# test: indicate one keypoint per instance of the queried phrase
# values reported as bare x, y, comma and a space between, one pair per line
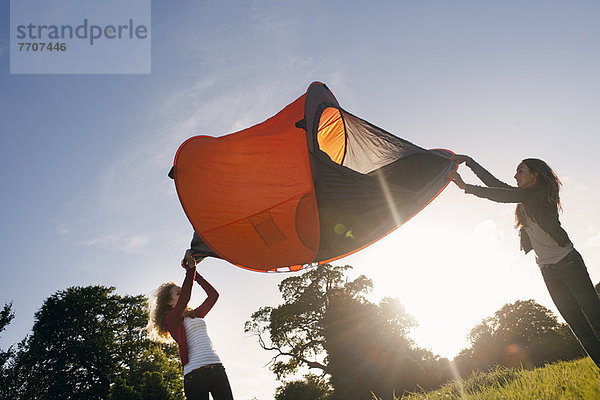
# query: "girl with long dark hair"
563, 269
202, 368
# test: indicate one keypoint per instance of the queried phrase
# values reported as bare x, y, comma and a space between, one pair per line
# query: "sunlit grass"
578, 379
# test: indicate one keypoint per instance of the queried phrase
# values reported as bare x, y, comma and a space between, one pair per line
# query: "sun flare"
448, 279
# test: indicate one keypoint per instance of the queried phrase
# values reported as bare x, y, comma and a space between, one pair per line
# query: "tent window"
332, 135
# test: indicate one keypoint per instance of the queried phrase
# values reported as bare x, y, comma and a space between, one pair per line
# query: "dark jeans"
573, 293
198, 383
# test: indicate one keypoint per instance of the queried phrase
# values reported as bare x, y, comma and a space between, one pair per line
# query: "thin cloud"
574, 183
486, 235
139, 173
135, 184
124, 211
132, 243
593, 241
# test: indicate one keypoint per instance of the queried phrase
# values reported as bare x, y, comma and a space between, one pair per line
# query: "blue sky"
84, 158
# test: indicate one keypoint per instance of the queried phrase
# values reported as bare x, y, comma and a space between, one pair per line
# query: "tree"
6, 316
154, 387
83, 338
326, 323
369, 351
121, 391
311, 388
295, 327
161, 358
523, 333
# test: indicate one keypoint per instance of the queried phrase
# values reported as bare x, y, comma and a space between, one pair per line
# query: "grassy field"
572, 380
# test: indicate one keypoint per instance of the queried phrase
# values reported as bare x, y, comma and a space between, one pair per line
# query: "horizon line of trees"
355, 349
89, 343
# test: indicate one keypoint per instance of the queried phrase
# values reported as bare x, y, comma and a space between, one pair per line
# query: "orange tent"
309, 185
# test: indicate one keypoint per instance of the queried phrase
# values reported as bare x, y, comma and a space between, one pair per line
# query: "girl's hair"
160, 307
545, 178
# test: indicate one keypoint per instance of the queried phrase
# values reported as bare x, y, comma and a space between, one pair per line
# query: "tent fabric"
312, 184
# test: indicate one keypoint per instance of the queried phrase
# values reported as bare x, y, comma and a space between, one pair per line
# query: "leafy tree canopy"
326, 323
311, 388
6, 316
523, 333
83, 338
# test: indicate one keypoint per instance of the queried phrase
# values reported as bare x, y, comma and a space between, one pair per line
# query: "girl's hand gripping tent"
309, 185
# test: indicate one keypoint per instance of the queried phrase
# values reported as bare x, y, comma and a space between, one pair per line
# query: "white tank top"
547, 251
200, 348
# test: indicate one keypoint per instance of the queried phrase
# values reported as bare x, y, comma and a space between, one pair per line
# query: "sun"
442, 275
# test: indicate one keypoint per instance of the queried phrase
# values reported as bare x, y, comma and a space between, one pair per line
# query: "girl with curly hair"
203, 371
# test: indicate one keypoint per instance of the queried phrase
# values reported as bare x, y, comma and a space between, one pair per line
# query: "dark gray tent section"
264, 200
379, 183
